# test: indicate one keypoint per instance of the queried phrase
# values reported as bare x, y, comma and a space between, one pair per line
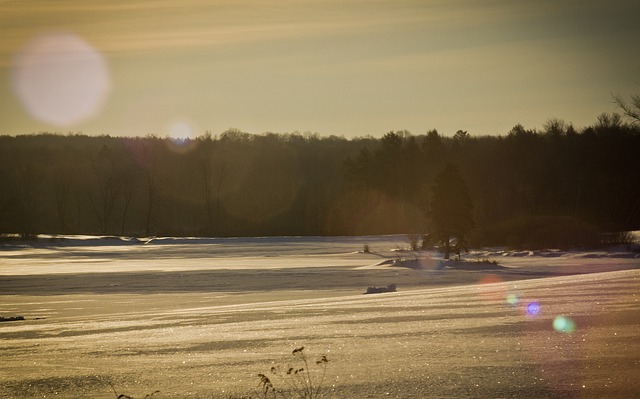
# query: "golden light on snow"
61, 79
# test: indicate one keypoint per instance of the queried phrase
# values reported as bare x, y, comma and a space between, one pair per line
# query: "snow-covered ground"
199, 318
85, 254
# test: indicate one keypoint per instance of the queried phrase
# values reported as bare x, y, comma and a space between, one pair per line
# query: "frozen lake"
200, 318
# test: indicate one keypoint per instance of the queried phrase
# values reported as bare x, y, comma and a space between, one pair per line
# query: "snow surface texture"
201, 318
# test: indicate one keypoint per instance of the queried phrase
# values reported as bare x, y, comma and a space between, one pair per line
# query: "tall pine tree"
451, 211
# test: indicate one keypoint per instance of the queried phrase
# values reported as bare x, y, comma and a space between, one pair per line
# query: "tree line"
526, 186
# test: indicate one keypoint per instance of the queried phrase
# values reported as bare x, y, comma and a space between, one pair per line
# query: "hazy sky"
343, 67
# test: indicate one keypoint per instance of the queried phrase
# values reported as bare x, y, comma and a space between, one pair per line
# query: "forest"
554, 187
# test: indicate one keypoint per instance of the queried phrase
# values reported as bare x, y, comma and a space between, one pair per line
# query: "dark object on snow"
13, 318
380, 290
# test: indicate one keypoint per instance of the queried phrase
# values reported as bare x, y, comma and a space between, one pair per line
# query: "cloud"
122, 26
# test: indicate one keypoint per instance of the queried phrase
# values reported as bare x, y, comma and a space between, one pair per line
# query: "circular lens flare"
564, 325
60, 79
513, 299
533, 308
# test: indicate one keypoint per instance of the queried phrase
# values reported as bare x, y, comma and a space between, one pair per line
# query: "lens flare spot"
564, 325
490, 290
513, 299
60, 79
490, 279
533, 308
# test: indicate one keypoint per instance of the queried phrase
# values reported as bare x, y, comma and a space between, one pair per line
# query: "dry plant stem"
123, 396
299, 381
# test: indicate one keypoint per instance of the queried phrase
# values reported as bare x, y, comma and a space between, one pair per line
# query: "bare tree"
105, 177
461, 135
149, 160
213, 173
26, 192
128, 185
632, 109
555, 127
62, 191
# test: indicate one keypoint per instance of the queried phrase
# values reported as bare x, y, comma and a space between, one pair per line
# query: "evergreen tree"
451, 210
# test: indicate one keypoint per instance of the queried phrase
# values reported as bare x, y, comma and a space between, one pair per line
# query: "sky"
349, 68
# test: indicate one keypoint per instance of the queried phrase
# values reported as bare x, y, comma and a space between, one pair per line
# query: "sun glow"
181, 129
